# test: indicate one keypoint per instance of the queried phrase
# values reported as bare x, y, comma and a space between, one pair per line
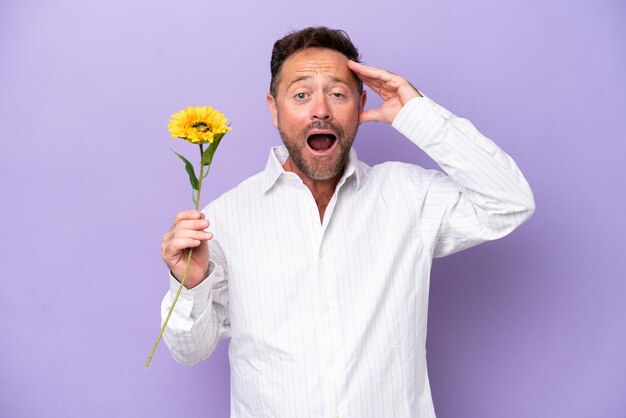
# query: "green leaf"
207, 155
189, 168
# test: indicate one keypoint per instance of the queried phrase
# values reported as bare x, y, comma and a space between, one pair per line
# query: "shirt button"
326, 307
321, 254
331, 360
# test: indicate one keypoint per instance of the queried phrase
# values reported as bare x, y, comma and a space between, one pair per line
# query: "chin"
327, 169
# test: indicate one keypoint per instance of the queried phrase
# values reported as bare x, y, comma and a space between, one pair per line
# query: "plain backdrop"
528, 326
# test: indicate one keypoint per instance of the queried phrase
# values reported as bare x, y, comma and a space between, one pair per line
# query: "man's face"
316, 110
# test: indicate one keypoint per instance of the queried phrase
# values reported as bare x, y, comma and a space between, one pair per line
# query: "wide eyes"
301, 96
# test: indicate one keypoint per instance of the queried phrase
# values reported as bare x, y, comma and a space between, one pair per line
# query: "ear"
362, 101
271, 104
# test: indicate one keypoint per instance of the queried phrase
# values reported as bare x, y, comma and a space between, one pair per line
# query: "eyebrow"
305, 77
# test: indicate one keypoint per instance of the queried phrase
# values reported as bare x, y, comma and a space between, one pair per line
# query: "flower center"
201, 126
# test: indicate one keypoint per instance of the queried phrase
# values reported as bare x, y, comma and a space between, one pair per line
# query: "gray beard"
344, 142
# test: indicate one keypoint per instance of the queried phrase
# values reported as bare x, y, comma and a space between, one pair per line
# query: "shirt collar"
278, 155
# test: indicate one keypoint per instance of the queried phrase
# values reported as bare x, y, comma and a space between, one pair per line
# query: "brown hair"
312, 37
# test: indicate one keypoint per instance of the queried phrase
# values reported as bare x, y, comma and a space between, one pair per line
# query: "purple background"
529, 326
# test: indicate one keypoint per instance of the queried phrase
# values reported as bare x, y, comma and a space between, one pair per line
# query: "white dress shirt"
329, 319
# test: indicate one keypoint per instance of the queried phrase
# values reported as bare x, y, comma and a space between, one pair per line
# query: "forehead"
316, 63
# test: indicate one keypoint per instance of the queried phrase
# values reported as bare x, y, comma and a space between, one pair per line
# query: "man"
318, 267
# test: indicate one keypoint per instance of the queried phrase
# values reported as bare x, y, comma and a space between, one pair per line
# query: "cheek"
290, 120
350, 115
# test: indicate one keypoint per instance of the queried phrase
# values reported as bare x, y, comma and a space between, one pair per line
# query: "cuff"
420, 119
192, 302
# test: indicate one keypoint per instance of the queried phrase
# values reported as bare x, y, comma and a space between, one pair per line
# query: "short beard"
344, 141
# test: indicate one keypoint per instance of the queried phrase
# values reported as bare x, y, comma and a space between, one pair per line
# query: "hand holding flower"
187, 231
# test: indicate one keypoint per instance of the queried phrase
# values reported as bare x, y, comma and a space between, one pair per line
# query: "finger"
196, 224
361, 68
187, 214
376, 85
371, 115
384, 83
385, 89
173, 243
189, 233
365, 72
176, 245
372, 82
391, 85
179, 244
173, 251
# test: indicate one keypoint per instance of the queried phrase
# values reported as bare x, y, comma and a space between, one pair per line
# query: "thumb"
371, 115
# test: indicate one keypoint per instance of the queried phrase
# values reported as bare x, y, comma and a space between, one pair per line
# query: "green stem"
182, 282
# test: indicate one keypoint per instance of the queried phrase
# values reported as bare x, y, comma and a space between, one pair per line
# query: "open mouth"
321, 142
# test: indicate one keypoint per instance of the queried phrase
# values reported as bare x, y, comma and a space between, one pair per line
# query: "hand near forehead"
394, 90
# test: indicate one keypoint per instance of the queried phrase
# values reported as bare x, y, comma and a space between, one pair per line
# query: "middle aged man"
319, 265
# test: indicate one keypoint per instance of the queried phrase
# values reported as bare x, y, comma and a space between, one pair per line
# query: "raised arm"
484, 195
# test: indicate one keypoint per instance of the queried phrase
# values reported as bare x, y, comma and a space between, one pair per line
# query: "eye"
337, 95
301, 96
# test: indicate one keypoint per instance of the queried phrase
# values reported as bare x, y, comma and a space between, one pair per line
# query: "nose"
321, 110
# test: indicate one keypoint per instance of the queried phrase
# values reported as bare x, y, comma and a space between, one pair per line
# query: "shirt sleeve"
484, 195
200, 318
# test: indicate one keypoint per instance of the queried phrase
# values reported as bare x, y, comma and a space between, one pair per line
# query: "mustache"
327, 125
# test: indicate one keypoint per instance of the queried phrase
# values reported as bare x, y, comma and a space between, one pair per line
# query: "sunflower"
198, 125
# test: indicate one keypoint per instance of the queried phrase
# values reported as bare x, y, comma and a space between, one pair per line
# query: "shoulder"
406, 182
397, 172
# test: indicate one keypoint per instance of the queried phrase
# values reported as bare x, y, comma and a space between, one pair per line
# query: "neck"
322, 190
